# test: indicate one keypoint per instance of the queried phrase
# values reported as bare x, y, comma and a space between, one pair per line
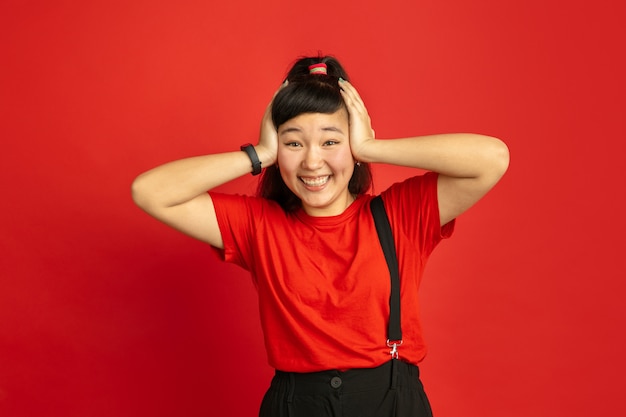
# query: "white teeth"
315, 182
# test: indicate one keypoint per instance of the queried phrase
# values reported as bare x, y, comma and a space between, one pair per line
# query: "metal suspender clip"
394, 345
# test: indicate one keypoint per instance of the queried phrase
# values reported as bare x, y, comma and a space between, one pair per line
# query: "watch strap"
254, 158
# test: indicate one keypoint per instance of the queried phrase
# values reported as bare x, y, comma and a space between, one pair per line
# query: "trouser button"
336, 382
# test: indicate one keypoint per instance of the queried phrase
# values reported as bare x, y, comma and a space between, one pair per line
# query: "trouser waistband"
389, 374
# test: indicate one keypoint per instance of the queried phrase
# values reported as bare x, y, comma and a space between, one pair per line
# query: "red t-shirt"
323, 282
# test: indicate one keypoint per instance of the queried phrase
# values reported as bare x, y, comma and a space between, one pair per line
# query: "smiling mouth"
315, 182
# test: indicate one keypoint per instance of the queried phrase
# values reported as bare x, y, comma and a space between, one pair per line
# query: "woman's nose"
312, 159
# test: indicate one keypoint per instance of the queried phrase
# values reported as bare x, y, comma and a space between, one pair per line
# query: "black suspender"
383, 228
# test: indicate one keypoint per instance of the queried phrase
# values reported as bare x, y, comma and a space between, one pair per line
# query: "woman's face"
316, 162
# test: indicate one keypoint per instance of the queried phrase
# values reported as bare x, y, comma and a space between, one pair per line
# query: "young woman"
309, 239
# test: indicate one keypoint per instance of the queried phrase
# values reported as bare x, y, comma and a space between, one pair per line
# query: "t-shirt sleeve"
236, 215
413, 210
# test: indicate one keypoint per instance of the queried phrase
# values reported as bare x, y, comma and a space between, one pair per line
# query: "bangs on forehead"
311, 95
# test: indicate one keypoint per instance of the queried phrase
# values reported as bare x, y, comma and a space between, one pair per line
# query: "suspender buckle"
394, 344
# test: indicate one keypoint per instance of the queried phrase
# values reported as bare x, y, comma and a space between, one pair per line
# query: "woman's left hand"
361, 132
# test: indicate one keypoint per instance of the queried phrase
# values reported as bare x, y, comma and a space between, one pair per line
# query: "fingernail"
341, 80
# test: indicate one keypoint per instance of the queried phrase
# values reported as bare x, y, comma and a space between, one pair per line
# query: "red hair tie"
320, 68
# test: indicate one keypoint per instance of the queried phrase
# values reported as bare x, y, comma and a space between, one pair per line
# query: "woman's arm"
176, 192
469, 165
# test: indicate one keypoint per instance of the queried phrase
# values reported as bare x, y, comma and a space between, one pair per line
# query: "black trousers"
390, 390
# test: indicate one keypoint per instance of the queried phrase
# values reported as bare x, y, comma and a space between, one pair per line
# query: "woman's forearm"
180, 181
460, 155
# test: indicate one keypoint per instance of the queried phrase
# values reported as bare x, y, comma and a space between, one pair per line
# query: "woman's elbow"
499, 158
140, 193
503, 156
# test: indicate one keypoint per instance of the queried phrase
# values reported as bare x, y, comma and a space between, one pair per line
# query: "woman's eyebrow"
324, 129
290, 129
332, 129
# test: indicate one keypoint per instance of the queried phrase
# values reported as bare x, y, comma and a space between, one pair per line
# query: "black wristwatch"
256, 164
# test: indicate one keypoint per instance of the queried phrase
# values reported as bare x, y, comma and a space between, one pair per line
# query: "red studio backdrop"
106, 312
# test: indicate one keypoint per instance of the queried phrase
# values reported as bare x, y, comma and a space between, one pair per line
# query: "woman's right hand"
267, 148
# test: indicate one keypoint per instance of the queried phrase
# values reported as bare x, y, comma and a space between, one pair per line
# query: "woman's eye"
330, 142
292, 144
